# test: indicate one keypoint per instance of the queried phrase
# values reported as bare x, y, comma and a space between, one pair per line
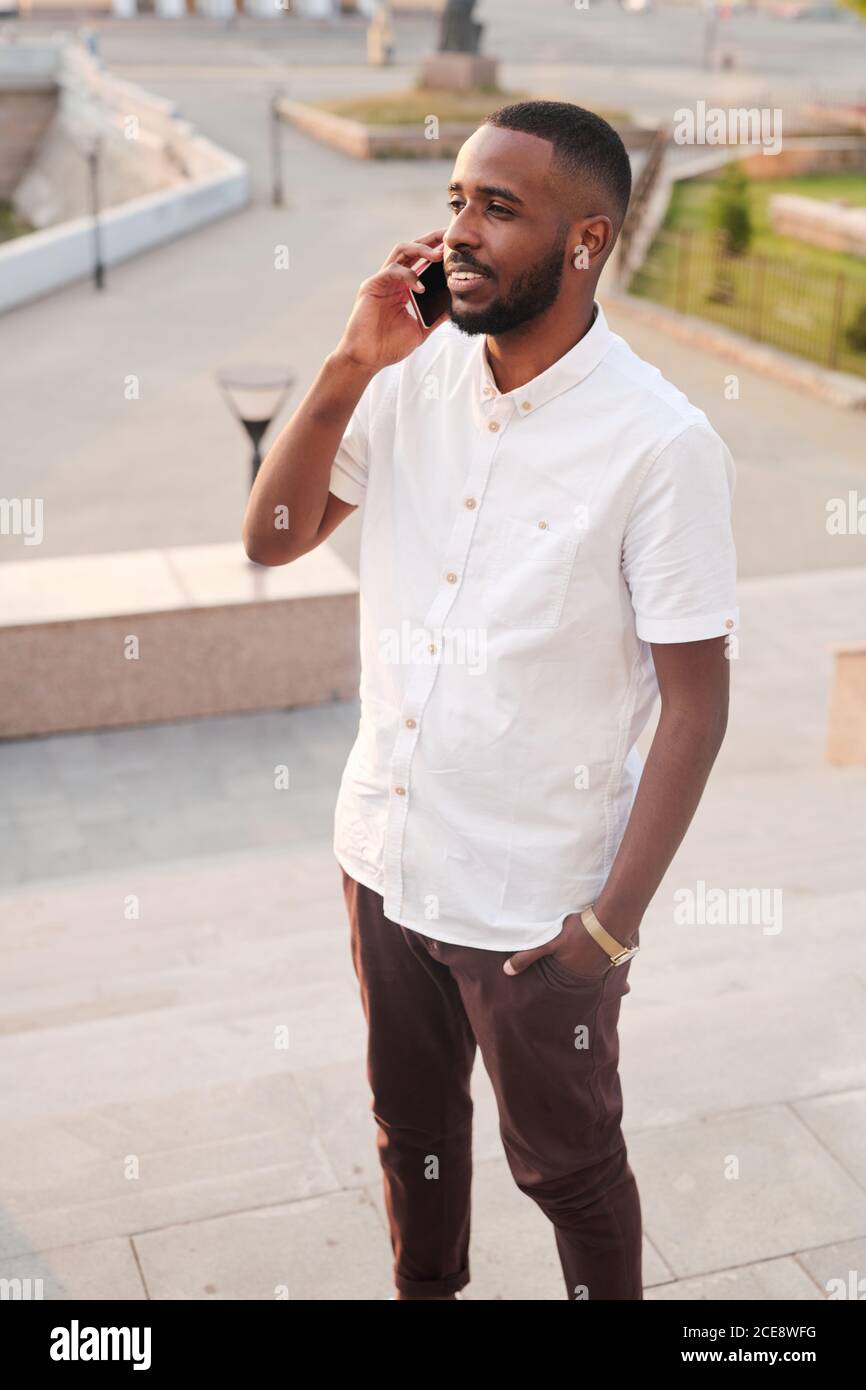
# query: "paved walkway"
160, 1139
171, 467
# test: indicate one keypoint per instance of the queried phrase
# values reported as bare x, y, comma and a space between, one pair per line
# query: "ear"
591, 237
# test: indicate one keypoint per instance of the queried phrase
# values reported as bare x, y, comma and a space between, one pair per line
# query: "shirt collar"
567, 371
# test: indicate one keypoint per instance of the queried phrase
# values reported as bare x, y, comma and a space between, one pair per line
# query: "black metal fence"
802, 309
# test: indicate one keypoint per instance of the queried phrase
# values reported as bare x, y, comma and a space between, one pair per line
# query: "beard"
531, 294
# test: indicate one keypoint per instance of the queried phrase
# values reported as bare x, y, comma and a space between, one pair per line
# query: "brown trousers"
549, 1043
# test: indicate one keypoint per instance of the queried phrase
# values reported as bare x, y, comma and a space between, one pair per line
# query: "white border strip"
36, 264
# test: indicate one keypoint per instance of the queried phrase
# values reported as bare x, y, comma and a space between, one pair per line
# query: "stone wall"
831, 225
832, 154
24, 119
157, 178
143, 147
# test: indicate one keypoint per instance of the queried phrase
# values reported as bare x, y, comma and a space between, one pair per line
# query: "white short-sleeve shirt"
519, 552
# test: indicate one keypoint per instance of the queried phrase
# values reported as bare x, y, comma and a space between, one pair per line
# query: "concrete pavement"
186, 1113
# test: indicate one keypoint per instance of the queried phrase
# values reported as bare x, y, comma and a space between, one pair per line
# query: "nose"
460, 232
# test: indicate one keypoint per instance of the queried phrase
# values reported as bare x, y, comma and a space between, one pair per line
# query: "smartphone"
436, 299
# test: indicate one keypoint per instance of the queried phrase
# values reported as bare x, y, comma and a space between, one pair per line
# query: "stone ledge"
846, 719
216, 634
363, 141
834, 226
374, 141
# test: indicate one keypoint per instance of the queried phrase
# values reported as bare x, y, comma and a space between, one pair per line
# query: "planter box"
402, 141
213, 633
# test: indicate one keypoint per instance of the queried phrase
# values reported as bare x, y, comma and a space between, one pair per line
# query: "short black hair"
585, 145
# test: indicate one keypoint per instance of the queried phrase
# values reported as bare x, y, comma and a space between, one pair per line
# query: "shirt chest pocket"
530, 573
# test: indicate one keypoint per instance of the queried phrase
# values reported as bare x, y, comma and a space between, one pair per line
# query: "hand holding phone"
435, 299
386, 323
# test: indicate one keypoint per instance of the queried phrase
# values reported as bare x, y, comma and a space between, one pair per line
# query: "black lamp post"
93, 170
87, 142
277, 194
255, 394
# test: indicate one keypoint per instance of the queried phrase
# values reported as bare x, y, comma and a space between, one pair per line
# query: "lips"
463, 279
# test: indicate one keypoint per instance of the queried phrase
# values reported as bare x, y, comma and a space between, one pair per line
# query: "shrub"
729, 210
855, 333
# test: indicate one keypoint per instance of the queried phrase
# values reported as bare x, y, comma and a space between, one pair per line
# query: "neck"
518, 357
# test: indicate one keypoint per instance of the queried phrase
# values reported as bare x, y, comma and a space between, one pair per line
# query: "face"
505, 248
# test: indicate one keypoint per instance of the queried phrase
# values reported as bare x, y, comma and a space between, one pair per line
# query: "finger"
516, 964
429, 249
393, 275
411, 252
430, 241
432, 238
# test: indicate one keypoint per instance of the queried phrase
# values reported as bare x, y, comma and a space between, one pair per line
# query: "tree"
729, 210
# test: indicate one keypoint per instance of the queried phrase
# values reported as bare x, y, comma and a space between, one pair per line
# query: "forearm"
675, 773
289, 496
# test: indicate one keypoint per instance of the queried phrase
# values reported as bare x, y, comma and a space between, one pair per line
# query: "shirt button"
729, 622
401, 791
470, 502
526, 405
410, 723
432, 647
542, 525
488, 390
494, 425
452, 578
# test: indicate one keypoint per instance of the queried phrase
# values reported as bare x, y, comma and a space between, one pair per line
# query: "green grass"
783, 291
11, 225
412, 107
691, 197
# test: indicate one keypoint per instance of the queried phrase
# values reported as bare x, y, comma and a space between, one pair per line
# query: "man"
546, 547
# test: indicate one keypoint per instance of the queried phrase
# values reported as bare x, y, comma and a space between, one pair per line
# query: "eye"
455, 204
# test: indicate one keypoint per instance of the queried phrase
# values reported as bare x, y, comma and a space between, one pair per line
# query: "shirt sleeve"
351, 461
679, 559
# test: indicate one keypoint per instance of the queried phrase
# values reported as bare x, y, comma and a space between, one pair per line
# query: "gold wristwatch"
617, 952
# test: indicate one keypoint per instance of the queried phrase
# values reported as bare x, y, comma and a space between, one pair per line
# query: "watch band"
615, 949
